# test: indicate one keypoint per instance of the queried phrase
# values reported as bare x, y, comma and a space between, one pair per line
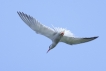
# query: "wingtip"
95, 37
92, 37
17, 11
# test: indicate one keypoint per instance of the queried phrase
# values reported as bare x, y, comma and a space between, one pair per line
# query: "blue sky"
21, 49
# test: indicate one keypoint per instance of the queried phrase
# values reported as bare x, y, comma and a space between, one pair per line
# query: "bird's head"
51, 46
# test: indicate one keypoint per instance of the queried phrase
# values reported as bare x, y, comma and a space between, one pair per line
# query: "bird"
55, 34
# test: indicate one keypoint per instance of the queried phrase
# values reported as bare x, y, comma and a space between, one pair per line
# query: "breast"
57, 38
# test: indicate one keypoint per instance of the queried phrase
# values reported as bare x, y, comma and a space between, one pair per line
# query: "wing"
73, 40
36, 26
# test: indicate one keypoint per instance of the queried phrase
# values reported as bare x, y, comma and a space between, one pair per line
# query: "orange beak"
48, 50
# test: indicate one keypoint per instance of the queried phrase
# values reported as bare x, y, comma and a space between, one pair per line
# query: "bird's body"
56, 40
55, 34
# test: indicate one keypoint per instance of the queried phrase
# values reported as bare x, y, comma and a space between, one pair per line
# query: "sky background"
21, 49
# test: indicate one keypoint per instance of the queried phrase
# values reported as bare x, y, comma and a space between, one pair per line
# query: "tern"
56, 34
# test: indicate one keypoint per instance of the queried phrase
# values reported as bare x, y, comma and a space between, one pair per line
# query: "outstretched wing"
36, 26
75, 40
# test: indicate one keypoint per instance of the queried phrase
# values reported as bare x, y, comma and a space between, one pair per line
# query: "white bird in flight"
55, 34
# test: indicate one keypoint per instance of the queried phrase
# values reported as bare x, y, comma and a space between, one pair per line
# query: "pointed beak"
48, 50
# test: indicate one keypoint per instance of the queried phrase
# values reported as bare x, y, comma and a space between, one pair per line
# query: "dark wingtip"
92, 37
95, 37
18, 11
